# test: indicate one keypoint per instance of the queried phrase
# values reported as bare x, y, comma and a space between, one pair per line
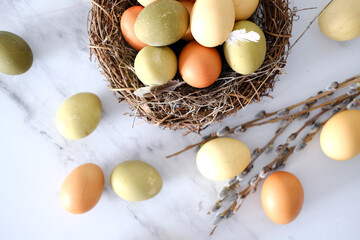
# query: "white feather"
243, 36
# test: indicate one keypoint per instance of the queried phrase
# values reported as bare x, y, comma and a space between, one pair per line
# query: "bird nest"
178, 105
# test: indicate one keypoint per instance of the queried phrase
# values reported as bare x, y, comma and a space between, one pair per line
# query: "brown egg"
199, 66
188, 5
282, 197
127, 23
82, 188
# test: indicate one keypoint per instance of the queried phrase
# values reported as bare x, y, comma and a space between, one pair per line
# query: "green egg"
162, 23
135, 180
15, 54
245, 49
79, 115
155, 66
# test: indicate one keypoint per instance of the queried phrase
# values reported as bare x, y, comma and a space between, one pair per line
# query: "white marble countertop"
35, 159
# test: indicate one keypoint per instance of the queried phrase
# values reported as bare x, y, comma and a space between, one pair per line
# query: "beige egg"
222, 158
135, 180
82, 188
245, 49
79, 115
162, 23
340, 20
212, 21
244, 8
340, 136
155, 66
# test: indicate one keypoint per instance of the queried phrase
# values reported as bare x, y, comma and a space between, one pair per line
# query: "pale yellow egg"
340, 136
135, 180
340, 20
222, 158
212, 21
79, 115
244, 8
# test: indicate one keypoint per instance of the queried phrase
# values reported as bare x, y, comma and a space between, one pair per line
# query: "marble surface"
35, 159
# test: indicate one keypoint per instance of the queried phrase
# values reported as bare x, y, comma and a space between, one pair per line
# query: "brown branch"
254, 122
282, 156
308, 27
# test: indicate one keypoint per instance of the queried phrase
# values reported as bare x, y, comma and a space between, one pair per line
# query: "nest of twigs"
181, 106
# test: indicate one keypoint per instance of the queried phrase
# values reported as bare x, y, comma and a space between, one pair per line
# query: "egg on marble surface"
282, 197
244, 8
222, 158
212, 21
340, 136
82, 188
162, 23
135, 180
188, 5
15, 54
127, 23
199, 66
340, 20
155, 66
79, 115
245, 49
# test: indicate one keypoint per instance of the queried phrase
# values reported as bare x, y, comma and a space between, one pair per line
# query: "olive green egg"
162, 23
79, 115
155, 66
245, 49
135, 181
15, 54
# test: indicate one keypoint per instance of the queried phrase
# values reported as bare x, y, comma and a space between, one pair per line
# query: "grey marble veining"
35, 159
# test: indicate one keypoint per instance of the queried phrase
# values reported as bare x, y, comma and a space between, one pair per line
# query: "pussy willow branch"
255, 156
293, 116
266, 146
255, 121
336, 105
275, 164
308, 27
235, 206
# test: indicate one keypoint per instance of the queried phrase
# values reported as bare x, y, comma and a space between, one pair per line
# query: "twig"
253, 122
277, 162
308, 27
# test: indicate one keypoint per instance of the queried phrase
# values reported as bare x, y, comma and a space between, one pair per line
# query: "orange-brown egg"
188, 5
127, 23
199, 66
282, 197
82, 188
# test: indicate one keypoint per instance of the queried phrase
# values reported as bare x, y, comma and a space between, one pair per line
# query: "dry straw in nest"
179, 105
